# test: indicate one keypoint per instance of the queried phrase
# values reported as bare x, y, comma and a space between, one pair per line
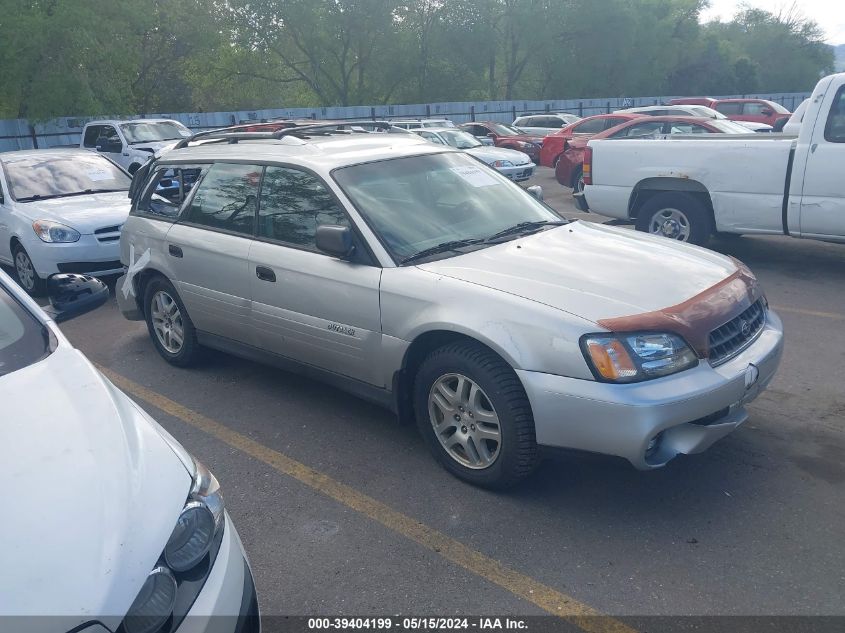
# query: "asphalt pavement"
343, 511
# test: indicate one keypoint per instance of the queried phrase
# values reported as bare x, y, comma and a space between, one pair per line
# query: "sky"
829, 14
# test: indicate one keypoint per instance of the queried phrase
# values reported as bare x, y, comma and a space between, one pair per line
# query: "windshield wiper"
38, 196
452, 245
524, 227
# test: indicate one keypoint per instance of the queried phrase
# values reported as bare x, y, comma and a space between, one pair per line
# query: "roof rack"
322, 129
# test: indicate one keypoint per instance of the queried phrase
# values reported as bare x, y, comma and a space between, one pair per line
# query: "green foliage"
91, 57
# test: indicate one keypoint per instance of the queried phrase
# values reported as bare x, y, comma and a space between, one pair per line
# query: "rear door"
208, 250
823, 199
309, 306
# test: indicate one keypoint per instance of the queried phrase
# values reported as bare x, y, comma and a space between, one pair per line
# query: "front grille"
108, 229
108, 233
89, 267
734, 336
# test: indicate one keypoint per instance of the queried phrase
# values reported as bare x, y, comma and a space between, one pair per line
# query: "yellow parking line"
824, 315
525, 587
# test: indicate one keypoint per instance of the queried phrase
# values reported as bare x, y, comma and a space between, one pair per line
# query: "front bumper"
127, 301
518, 173
227, 602
88, 256
687, 412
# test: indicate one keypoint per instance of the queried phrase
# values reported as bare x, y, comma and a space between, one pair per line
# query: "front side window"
226, 198
59, 174
834, 129
92, 133
755, 108
293, 204
420, 202
460, 139
23, 340
637, 130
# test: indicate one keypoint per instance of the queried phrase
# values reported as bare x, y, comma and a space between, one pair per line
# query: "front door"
309, 306
208, 250
105, 140
823, 196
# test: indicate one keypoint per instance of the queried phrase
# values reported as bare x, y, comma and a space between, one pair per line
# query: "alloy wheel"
167, 322
464, 421
25, 270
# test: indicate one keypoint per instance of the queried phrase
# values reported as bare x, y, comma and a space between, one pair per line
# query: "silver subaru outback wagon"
413, 275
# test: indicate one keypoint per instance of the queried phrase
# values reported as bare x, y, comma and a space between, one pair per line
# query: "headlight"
502, 163
197, 523
154, 603
637, 356
49, 231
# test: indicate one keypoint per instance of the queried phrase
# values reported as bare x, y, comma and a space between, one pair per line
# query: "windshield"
710, 113
730, 127
505, 130
53, 176
459, 139
148, 132
416, 203
23, 340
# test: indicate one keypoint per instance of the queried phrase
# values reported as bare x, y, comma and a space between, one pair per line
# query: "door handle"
176, 251
265, 274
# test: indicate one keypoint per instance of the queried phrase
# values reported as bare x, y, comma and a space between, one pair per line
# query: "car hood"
756, 127
85, 213
91, 493
592, 270
491, 154
157, 147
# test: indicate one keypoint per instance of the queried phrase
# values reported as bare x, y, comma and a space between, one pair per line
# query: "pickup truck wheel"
474, 415
170, 327
25, 272
677, 216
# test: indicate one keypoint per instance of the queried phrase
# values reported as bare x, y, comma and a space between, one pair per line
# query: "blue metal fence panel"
16, 134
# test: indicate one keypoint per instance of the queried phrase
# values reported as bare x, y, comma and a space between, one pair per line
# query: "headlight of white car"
198, 525
502, 163
636, 357
54, 232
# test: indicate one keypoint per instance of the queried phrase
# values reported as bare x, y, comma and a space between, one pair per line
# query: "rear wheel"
475, 416
578, 180
25, 272
678, 216
169, 325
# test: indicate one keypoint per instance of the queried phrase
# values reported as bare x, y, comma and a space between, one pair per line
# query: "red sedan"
555, 144
569, 168
505, 135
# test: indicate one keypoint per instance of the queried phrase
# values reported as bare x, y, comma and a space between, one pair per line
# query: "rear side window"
729, 108
593, 126
226, 199
834, 129
169, 187
754, 108
293, 204
647, 128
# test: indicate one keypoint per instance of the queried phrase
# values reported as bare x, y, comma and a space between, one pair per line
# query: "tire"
555, 161
578, 179
166, 316
475, 456
25, 273
678, 216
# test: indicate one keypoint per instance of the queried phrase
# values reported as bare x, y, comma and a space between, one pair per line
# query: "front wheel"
678, 216
475, 416
25, 272
578, 180
170, 327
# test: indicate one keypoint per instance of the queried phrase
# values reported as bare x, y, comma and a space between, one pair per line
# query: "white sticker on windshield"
96, 175
475, 176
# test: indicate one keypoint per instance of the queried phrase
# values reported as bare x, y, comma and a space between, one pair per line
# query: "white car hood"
91, 493
592, 270
754, 126
158, 147
491, 154
85, 213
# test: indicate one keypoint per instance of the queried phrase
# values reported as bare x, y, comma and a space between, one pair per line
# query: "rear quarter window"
167, 191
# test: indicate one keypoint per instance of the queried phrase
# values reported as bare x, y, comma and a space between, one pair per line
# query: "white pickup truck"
131, 143
688, 188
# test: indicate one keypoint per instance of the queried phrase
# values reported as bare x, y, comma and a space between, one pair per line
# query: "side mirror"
767, 112
73, 295
335, 240
536, 191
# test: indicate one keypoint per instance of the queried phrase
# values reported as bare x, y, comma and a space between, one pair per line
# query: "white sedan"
61, 211
107, 521
511, 163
